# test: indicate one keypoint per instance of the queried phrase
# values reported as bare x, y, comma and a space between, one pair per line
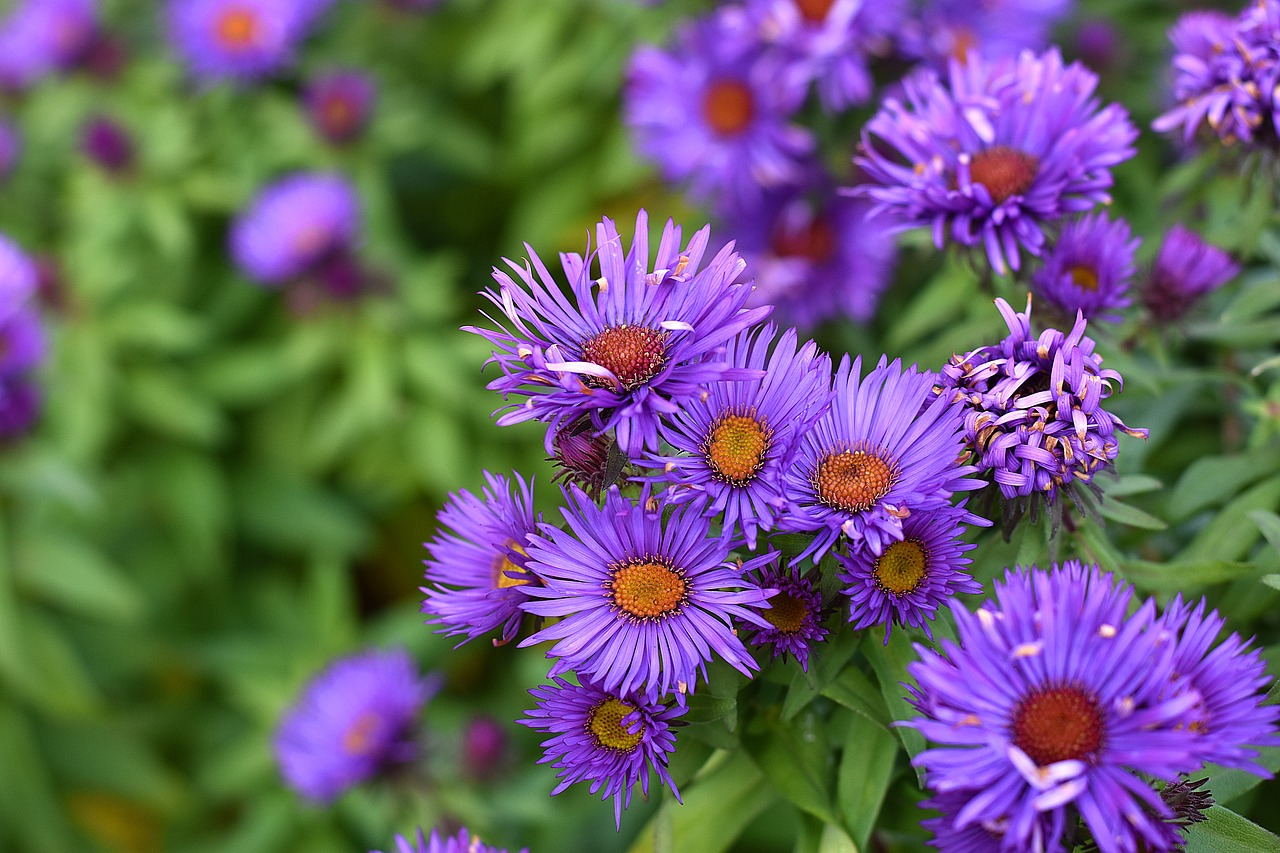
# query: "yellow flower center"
901, 567
786, 613
1084, 277
647, 589
736, 447
503, 565
606, 726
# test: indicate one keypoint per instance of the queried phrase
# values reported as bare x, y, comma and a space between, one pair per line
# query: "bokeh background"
228, 487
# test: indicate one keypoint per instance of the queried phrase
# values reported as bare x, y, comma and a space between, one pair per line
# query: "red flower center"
634, 354
815, 242
814, 11
728, 106
1003, 171
237, 28
1058, 724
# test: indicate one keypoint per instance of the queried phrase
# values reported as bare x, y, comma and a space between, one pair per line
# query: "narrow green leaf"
796, 759
834, 840
1184, 574
806, 686
890, 664
866, 769
1130, 515
856, 692
65, 571
1210, 480
1269, 524
1231, 533
1132, 484
1227, 832
718, 806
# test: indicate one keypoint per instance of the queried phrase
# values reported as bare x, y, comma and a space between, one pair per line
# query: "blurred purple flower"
1186, 268
992, 158
608, 738
39, 37
460, 842
484, 747
293, 225
960, 29
1089, 268
240, 40
20, 405
19, 278
10, 148
339, 105
715, 111
107, 143
351, 720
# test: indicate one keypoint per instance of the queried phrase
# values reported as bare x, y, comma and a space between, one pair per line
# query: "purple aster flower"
478, 560
585, 457
815, 257
484, 747
830, 41
1186, 268
1034, 415
108, 144
10, 148
907, 581
461, 842
19, 277
984, 836
1099, 44
612, 739
20, 404
735, 442
1088, 269
794, 615
631, 345
39, 37
715, 110
991, 159
961, 29
22, 341
1230, 681
350, 721
880, 453
340, 104
1226, 72
240, 40
294, 225
1053, 704
643, 600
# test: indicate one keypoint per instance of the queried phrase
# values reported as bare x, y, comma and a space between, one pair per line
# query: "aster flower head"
351, 720
586, 457
20, 404
880, 453
237, 40
1186, 268
1035, 420
1230, 680
815, 256
18, 277
628, 345
645, 594
996, 155
478, 560
735, 443
292, 226
909, 579
340, 104
460, 842
1225, 74
715, 110
794, 615
22, 341
1054, 703
829, 42
107, 143
10, 148
39, 37
959, 29
1089, 268
610, 739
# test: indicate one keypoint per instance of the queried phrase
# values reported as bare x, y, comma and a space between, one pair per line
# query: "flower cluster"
240, 40
1034, 416
996, 155
351, 721
689, 432
1226, 73
22, 341
1057, 704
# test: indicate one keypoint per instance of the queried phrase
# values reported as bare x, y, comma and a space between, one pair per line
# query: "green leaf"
866, 769
796, 759
724, 798
1269, 525
856, 692
1184, 574
1231, 533
29, 811
1130, 515
65, 571
825, 668
1132, 484
1210, 480
834, 840
1227, 832
890, 664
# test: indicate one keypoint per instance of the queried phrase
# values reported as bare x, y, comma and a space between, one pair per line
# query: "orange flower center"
634, 354
647, 589
736, 447
901, 567
853, 480
606, 726
1003, 171
1058, 724
814, 11
237, 28
1084, 277
360, 738
503, 565
728, 106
